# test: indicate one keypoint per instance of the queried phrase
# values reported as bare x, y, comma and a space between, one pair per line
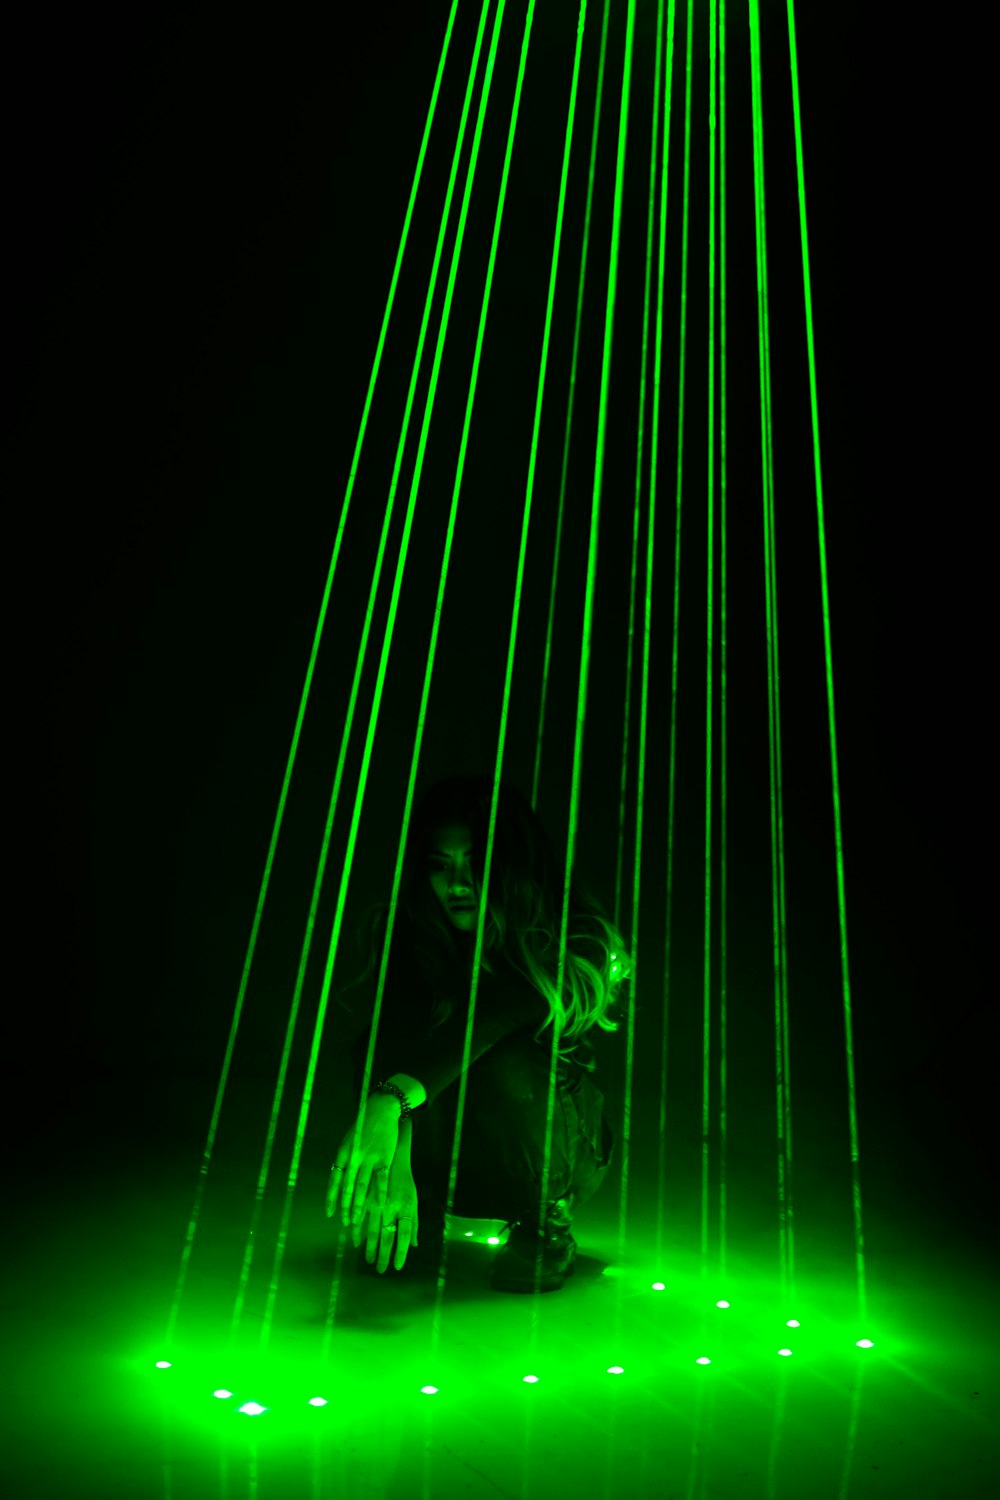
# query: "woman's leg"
502, 1150
593, 1141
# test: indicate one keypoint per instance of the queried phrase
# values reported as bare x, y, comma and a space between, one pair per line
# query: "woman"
421, 1035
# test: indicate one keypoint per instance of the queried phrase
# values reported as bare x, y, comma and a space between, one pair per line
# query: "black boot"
537, 1254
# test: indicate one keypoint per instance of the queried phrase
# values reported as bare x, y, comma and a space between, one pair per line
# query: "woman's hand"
398, 1223
361, 1166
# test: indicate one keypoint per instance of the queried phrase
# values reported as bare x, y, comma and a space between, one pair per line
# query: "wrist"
411, 1087
388, 1102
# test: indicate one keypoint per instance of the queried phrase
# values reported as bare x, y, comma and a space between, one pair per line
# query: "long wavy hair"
523, 919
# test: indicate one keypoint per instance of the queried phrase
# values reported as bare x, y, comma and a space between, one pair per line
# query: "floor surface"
372, 1386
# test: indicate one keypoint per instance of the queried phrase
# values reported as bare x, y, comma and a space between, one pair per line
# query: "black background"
205, 210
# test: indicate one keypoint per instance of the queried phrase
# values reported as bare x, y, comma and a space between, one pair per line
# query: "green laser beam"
373, 717
716, 532
647, 647
657, 188
601, 440
709, 665
782, 1060
429, 668
859, 1241
574, 364
525, 526
512, 639
679, 495
432, 650
723, 708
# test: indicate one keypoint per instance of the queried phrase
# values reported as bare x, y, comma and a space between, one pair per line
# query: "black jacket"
423, 1034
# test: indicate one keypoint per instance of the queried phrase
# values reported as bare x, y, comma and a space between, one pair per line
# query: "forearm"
415, 1094
402, 1156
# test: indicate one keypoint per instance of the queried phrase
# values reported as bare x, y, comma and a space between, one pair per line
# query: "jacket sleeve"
408, 1042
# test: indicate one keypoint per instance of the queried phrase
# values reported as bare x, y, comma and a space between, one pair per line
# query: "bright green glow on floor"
280, 1389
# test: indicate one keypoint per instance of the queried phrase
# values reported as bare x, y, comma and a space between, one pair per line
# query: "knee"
504, 1077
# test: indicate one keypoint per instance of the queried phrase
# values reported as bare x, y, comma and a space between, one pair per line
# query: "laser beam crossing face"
451, 876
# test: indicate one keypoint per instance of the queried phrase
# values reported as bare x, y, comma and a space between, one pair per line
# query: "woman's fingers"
394, 1245
379, 1244
378, 1184
331, 1192
354, 1193
403, 1242
360, 1198
390, 1243
385, 1243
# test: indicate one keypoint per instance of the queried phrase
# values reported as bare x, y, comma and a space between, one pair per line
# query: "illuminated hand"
361, 1166
396, 1227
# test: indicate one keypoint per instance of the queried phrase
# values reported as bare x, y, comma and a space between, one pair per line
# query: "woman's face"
452, 880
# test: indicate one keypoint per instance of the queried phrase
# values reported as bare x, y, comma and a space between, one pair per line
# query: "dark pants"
502, 1149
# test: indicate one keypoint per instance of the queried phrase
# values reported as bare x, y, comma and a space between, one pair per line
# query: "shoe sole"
504, 1282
